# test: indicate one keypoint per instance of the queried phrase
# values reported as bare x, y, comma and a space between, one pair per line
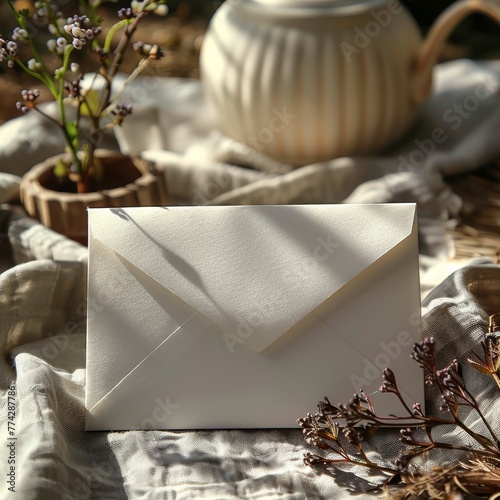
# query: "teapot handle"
445, 24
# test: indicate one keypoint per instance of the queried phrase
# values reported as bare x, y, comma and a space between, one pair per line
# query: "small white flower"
78, 44
20, 34
11, 48
62, 42
74, 67
52, 45
77, 32
161, 10
34, 65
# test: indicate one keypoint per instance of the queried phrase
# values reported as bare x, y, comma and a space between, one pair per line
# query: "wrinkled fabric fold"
43, 353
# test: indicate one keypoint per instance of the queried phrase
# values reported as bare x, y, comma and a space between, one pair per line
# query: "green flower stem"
48, 117
64, 131
129, 30
62, 112
143, 64
59, 96
111, 33
67, 137
47, 78
66, 60
34, 74
127, 35
57, 91
82, 151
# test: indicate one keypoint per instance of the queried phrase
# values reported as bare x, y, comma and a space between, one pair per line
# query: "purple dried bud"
126, 13
73, 88
29, 97
147, 50
423, 354
417, 410
352, 436
445, 406
22, 107
313, 460
121, 111
78, 27
406, 436
389, 384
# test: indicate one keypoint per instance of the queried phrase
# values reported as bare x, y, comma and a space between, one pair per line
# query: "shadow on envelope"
199, 375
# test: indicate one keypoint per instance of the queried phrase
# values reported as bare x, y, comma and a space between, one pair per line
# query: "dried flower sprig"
343, 431
80, 32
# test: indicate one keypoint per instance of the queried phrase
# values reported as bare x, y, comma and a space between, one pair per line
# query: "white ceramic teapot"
304, 81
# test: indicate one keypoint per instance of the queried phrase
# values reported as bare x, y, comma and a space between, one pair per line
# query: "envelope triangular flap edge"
255, 271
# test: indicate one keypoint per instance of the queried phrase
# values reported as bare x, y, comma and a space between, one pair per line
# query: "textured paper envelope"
245, 317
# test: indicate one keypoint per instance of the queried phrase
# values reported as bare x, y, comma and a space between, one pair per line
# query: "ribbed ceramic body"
304, 85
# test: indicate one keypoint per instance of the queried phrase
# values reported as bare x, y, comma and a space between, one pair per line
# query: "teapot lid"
307, 3
303, 6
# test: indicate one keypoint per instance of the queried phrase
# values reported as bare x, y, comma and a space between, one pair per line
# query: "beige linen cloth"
42, 343
42, 299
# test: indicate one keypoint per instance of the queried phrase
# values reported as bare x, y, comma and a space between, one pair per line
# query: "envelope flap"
254, 271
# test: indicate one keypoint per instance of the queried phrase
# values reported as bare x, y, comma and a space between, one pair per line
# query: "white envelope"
247, 316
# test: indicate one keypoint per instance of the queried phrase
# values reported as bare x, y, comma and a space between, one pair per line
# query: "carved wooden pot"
127, 182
